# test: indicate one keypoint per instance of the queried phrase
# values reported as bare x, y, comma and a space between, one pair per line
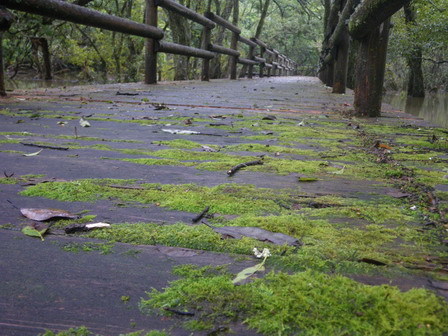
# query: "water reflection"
433, 108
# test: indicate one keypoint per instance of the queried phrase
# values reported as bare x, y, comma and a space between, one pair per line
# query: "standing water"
432, 108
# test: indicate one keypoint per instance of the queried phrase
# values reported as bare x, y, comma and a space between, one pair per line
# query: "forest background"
419, 40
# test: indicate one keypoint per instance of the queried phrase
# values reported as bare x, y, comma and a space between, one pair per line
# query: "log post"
369, 72
234, 41
262, 50
206, 40
150, 44
250, 68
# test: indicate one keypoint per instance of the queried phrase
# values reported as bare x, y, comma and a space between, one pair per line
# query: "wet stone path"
365, 199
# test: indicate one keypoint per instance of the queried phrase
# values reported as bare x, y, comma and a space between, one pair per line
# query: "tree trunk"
215, 64
416, 86
370, 67
2, 72
258, 31
327, 72
234, 44
181, 32
352, 57
370, 14
341, 63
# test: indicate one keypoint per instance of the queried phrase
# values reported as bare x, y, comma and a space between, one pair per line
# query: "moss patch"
306, 303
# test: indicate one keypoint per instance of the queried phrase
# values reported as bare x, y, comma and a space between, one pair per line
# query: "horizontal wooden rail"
247, 41
185, 12
260, 43
270, 61
61, 10
180, 49
223, 50
247, 61
223, 22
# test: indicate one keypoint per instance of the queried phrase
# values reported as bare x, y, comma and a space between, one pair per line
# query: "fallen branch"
178, 312
242, 165
201, 215
44, 146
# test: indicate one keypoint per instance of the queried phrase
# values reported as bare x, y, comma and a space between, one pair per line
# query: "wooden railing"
270, 61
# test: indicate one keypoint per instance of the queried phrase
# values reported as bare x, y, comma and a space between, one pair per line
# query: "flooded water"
433, 108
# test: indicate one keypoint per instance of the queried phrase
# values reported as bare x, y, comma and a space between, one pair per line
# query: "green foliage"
429, 33
306, 303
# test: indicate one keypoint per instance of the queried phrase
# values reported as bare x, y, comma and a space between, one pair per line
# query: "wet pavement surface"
45, 287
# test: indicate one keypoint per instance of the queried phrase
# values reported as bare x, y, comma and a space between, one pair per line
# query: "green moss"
306, 303
224, 199
83, 331
179, 143
88, 247
199, 237
8, 180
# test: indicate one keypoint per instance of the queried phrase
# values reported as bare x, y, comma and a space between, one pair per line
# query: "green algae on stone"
306, 303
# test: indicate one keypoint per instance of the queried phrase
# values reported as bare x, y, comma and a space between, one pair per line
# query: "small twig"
201, 215
12, 204
76, 133
7, 175
242, 165
217, 331
126, 94
178, 312
44, 146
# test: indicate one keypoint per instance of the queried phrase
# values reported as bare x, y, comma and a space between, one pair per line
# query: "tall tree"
181, 33
416, 87
370, 25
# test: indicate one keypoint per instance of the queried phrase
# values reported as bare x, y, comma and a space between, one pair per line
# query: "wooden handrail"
222, 22
62, 10
180, 49
186, 12
77, 14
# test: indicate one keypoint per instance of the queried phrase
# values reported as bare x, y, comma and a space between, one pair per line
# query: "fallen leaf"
384, 146
33, 154
269, 117
36, 230
237, 232
97, 226
308, 179
176, 131
45, 214
247, 272
84, 227
398, 194
84, 123
208, 149
339, 172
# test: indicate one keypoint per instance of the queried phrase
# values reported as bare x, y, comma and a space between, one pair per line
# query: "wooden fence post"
261, 64
206, 62
150, 44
